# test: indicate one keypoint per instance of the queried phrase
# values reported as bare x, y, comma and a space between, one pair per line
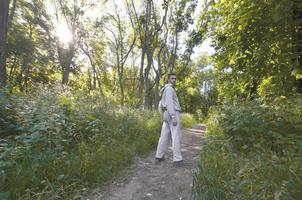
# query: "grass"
224, 174
252, 151
60, 144
68, 142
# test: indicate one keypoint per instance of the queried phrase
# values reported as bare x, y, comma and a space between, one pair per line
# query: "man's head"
172, 78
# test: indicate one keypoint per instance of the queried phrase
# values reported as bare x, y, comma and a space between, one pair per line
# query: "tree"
158, 25
254, 46
297, 35
121, 47
4, 9
31, 50
93, 46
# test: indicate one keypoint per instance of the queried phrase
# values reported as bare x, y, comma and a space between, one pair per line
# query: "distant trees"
124, 50
159, 26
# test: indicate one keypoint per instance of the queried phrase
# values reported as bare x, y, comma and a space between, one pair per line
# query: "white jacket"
170, 101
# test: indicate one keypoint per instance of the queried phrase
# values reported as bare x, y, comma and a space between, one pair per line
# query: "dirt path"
164, 181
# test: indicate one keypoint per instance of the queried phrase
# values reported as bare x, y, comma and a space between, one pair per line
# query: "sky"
204, 47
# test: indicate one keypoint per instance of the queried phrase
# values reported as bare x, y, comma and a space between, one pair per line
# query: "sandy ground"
148, 181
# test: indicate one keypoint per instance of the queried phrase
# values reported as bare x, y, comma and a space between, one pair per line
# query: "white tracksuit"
170, 101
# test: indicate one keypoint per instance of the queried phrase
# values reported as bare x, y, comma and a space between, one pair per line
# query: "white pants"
167, 131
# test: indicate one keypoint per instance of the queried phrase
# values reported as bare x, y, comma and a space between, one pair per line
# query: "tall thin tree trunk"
148, 96
65, 58
122, 92
4, 9
297, 14
147, 43
94, 73
99, 83
12, 68
12, 13
158, 76
156, 91
141, 76
65, 78
173, 53
89, 80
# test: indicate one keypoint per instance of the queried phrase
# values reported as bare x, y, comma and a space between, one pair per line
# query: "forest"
80, 83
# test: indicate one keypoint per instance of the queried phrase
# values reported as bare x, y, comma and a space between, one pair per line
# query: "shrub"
8, 119
68, 141
223, 174
187, 120
252, 151
276, 126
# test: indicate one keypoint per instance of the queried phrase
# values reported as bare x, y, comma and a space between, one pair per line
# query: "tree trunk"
65, 58
122, 92
158, 76
89, 80
4, 8
147, 104
12, 68
65, 77
156, 91
171, 64
148, 96
94, 73
297, 12
141, 76
99, 83
12, 13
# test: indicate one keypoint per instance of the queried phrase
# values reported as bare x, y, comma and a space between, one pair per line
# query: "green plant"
224, 174
68, 141
187, 120
252, 151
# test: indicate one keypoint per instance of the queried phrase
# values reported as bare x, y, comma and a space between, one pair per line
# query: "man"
171, 123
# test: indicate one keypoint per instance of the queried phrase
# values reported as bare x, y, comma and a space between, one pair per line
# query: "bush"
252, 151
8, 119
68, 141
252, 125
224, 174
187, 120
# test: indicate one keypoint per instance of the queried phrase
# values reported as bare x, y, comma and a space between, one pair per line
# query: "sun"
63, 33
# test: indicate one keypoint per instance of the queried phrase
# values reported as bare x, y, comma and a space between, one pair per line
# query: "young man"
171, 123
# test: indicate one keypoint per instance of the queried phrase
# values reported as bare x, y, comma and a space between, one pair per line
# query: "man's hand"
174, 122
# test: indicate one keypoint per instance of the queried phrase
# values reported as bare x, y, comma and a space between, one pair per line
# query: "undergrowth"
252, 151
56, 144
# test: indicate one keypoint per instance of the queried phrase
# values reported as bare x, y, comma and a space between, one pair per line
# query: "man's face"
172, 80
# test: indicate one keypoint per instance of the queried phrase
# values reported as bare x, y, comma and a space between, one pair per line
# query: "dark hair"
171, 74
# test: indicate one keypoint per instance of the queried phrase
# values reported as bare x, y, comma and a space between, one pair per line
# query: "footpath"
148, 181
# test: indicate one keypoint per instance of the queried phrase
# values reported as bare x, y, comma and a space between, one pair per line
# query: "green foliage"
187, 120
224, 174
194, 86
251, 125
254, 142
254, 47
253, 151
30, 53
68, 141
7, 114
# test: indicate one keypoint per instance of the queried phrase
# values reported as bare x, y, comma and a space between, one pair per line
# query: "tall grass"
252, 151
61, 143
187, 120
